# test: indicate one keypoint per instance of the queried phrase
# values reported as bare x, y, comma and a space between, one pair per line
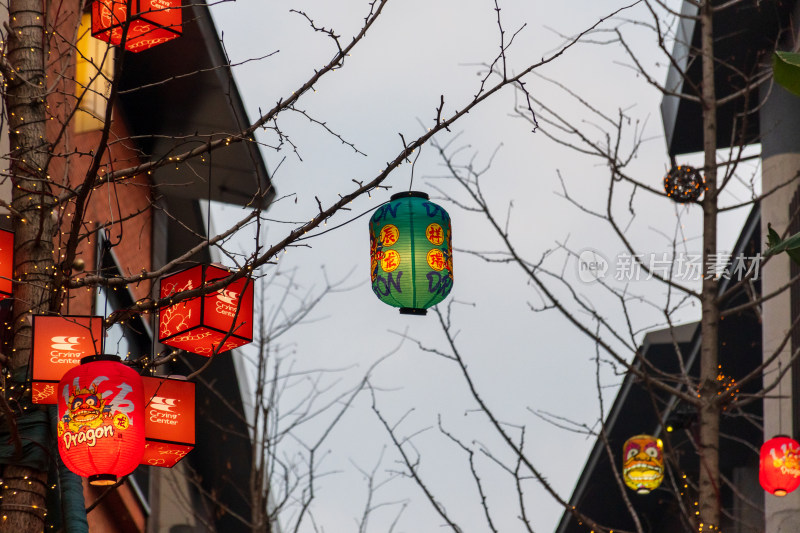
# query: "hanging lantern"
6, 263
684, 184
59, 344
169, 420
101, 419
152, 22
643, 463
779, 468
411, 253
200, 324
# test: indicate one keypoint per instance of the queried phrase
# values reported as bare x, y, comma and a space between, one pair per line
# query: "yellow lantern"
643, 463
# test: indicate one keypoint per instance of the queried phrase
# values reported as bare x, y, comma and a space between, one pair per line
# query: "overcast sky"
521, 361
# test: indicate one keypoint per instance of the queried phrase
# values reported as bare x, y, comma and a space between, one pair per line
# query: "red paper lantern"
59, 343
200, 324
169, 420
101, 419
6, 263
152, 22
779, 469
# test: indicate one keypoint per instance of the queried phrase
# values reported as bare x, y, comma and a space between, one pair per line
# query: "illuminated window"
94, 70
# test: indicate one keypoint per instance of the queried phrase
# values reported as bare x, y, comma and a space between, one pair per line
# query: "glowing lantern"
411, 253
201, 324
169, 420
643, 463
101, 419
59, 344
6, 263
779, 468
152, 22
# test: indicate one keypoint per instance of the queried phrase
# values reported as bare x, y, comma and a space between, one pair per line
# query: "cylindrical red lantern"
101, 419
779, 468
152, 22
199, 325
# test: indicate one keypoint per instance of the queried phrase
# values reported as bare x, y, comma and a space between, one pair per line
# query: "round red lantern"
779, 468
101, 419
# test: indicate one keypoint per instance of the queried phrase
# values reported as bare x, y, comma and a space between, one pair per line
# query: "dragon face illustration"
642, 463
86, 409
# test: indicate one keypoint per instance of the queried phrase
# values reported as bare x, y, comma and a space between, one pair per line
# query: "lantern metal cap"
101, 357
102, 479
413, 311
410, 194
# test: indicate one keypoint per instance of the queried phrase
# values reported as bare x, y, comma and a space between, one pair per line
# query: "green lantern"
411, 253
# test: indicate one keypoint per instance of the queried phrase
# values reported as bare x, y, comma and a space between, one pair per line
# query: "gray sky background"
521, 361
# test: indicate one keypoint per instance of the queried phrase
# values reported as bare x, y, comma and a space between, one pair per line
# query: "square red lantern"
200, 324
59, 344
152, 22
6, 263
169, 420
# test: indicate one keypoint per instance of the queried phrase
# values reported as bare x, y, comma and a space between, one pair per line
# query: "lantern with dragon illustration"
643, 463
152, 22
779, 468
205, 325
101, 419
411, 253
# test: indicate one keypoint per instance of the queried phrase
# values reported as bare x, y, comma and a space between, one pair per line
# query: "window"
94, 70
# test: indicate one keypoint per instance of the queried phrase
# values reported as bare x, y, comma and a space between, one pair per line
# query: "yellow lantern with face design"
643, 463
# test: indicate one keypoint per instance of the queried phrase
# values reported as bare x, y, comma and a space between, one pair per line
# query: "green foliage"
786, 70
791, 245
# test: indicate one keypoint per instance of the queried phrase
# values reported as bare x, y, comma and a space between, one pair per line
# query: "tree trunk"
708, 490
23, 503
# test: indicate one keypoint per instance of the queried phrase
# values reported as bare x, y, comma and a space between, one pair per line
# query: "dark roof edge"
225, 76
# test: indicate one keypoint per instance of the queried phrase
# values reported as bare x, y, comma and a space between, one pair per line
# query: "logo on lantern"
643, 463
228, 301
66, 350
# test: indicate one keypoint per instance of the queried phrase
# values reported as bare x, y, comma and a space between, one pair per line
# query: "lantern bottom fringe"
413, 311
102, 479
